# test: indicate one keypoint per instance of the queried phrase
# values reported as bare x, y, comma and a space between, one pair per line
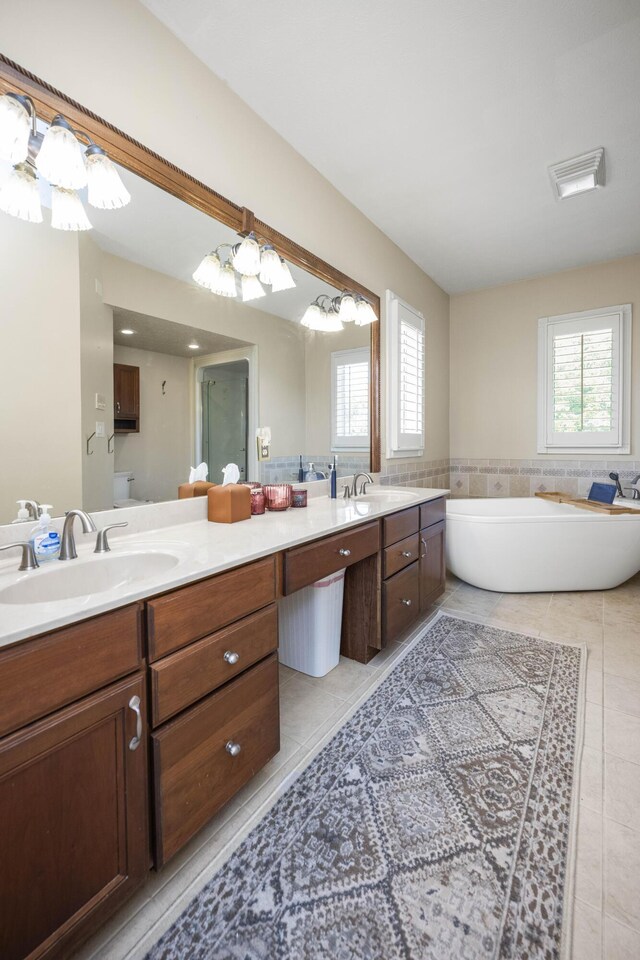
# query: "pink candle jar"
278, 496
299, 498
257, 501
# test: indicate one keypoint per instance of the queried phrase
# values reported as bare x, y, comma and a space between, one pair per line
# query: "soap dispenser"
23, 513
44, 540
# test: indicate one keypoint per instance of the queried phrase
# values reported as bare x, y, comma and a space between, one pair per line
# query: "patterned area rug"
436, 824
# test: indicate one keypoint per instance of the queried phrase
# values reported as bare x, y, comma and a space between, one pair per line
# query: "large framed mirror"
119, 371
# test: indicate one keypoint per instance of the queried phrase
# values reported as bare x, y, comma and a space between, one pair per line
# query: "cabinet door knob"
233, 749
344, 552
117, 406
134, 705
407, 554
407, 603
231, 656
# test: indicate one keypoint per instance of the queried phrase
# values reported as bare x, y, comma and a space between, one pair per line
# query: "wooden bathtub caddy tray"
584, 504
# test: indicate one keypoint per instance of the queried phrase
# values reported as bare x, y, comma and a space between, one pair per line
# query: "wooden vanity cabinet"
73, 791
214, 694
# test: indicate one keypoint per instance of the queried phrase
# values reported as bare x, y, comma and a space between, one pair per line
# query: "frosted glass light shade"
226, 284
67, 212
106, 191
348, 310
366, 313
331, 322
251, 288
269, 265
15, 127
61, 158
312, 317
208, 272
19, 194
283, 279
246, 257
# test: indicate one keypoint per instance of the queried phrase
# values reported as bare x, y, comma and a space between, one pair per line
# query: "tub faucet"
367, 479
68, 542
635, 493
616, 479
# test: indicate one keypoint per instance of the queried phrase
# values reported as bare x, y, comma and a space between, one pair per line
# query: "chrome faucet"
28, 560
635, 493
363, 487
68, 543
34, 508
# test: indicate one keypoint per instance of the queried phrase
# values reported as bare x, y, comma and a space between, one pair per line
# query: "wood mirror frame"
145, 163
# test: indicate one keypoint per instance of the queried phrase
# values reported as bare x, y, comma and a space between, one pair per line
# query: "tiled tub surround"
415, 473
524, 478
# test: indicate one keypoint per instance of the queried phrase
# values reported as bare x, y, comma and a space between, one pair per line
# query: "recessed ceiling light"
578, 175
194, 346
127, 332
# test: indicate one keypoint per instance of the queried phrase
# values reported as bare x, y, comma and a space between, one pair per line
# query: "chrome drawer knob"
407, 553
344, 552
231, 657
233, 749
407, 603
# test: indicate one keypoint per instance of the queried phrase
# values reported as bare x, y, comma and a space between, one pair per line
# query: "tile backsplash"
524, 478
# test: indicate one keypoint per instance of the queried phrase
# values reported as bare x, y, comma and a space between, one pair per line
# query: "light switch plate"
101, 403
100, 431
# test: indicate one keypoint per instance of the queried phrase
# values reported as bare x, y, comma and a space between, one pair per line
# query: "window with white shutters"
350, 399
405, 379
584, 375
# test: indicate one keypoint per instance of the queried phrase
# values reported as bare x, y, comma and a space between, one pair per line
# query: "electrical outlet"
101, 402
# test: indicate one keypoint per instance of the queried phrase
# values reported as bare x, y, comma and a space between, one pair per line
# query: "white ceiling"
439, 118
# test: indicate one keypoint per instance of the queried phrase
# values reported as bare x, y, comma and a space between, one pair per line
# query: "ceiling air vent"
578, 175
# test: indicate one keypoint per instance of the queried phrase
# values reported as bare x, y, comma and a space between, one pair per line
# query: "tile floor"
607, 890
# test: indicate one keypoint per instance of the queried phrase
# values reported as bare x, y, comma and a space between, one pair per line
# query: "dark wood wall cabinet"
126, 398
97, 785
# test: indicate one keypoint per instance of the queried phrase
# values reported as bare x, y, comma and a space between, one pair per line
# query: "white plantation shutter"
406, 375
350, 399
584, 393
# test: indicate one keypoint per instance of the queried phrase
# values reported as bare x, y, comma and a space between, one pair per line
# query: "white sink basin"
388, 496
65, 580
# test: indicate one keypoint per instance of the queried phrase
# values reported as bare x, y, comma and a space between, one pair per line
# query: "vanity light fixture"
69, 159
19, 194
17, 123
226, 282
321, 316
365, 313
270, 265
208, 271
67, 212
251, 288
245, 256
327, 314
283, 280
346, 307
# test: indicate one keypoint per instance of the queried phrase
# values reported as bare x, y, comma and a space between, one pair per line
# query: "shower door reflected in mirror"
224, 398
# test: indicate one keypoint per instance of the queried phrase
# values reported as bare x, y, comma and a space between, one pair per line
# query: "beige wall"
162, 95
40, 433
96, 353
160, 454
494, 355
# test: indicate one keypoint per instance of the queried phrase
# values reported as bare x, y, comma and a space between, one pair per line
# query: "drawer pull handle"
233, 749
407, 603
344, 552
407, 554
231, 657
424, 544
134, 704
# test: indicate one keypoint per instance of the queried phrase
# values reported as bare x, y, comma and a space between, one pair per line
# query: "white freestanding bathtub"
528, 545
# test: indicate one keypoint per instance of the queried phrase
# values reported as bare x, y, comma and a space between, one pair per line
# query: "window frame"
399, 445
361, 441
585, 321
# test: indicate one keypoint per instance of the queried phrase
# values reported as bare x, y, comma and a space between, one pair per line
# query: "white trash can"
309, 626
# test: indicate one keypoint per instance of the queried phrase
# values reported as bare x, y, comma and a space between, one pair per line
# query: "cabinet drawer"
401, 525
176, 619
194, 774
305, 565
401, 554
179, 680
41, 675
432, 512
400, 601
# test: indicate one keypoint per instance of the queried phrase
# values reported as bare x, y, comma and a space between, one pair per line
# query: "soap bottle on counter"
44, 540
23, 513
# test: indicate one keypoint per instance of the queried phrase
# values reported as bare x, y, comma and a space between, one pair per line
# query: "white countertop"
202, 549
